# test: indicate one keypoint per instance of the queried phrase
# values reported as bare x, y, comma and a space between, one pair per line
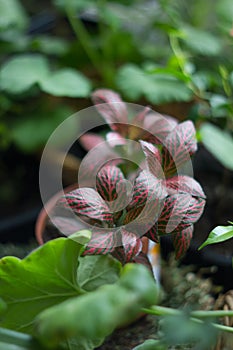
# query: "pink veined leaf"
152, 234
142, 258
101, 242
181, 241
147, 188
159, 127
90, 140
67, 225
87, 202
132, 245
140, 117
153, 159
112, 108
115, 139
184, 184
179, 212
178, 147
112, 186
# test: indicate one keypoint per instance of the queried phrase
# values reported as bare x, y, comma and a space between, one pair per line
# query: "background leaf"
219, 143
12, 15
66, 82
157, 88
20, 73
218, 234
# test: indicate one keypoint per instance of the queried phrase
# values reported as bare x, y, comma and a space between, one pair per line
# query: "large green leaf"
219, 143
157, 88
218, 234
12, 15
20, 73
44, 278
66, 82
49, 276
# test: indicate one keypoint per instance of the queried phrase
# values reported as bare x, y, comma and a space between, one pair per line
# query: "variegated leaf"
87, 202
152, 233
102, 242
131, 243
181, 241
142, 258
159, 127
90, 140
112, 187
179, 145
184, 184
112, 108
153, 159
179, 212
147, 188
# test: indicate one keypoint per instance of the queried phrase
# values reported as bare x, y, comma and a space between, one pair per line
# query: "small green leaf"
219, 143
97, 270
66, 82
20, 73
219, 234
157, 88
82, 236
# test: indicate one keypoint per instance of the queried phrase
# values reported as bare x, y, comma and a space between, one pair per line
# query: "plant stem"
83, 36
195, 316
16, 338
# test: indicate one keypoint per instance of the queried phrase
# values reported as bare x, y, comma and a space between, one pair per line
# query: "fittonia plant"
161, 200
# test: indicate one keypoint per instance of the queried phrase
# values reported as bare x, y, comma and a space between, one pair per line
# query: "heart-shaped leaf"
181, 241
178, 147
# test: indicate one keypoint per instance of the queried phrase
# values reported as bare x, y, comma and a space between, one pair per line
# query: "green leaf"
66, 82
50, 45
217, 235
157, 88
44, 278
41, 125
20, 73
12, 15
96, 270
219, 143
201, 41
